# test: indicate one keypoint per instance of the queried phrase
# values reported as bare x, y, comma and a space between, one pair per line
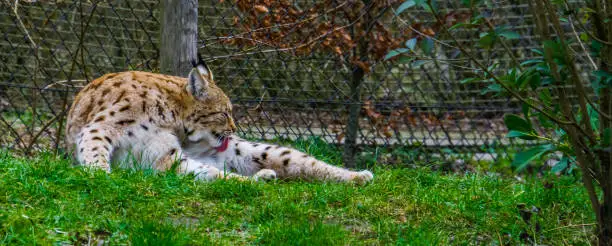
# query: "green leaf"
395, 52
587, 10
596, 47
593, 117
411, 43
605, 137
545, 96
470, 3
545, 121
476, 20
565, 149
405, 5
539, 52
405, 59
425, 5
460, 24
602, 74
542, 68
523, 78
509, 35
547, 81
427, 45
561, 165
515, 122
491, 88
526, 108
522, 159
521, 135
532, 61
493, 67
486, 41
469, 80
419, 63
602, 79
535, 81
557, 2
556, 51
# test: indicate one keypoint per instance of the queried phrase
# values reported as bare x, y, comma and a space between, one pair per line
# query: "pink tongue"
223, 145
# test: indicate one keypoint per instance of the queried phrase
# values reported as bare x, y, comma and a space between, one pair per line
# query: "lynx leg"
208, 172
291, 163
94, 146
265, 174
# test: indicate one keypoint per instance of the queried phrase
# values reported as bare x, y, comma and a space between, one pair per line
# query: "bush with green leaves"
562, 114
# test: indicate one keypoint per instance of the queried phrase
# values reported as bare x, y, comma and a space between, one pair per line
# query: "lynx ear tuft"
203, 68
199, 79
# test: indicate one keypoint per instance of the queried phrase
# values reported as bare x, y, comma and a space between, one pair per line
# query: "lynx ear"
199, 79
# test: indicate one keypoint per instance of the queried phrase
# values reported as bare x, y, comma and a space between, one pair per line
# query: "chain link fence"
48, 50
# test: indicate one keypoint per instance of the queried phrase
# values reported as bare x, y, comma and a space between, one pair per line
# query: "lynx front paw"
362, 177
265, 175
207, 173
95, 167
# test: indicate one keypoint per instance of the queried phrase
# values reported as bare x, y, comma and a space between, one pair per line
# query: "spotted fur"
162, 120
261, 159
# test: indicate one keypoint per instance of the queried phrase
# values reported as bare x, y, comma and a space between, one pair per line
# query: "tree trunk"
605, 230
604, 31
178, 36
352, 127
605, 155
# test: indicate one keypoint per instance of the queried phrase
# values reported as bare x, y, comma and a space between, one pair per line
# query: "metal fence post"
179, 34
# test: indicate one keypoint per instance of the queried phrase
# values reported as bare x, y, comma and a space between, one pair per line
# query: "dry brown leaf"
261, 9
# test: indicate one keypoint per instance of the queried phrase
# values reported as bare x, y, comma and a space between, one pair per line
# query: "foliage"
325, 26
570, 120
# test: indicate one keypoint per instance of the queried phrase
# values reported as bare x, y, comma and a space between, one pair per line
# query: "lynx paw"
362, 177
265, 175
208, 174
94, 168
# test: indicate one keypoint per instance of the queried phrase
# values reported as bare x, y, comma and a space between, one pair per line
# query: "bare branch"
65, 83
505, 45
586, 52
25, 30
240, 35
423, 34
45, 127
576, 79
604, 115
289, 48
10, 128
591, 35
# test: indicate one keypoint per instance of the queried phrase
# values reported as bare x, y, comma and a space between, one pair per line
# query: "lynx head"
210, 123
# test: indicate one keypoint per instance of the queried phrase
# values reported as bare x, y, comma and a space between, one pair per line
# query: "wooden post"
179, 35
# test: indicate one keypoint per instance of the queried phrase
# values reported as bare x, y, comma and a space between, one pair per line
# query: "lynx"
164, 120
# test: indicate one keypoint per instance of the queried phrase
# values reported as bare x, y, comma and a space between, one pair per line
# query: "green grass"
44, 200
